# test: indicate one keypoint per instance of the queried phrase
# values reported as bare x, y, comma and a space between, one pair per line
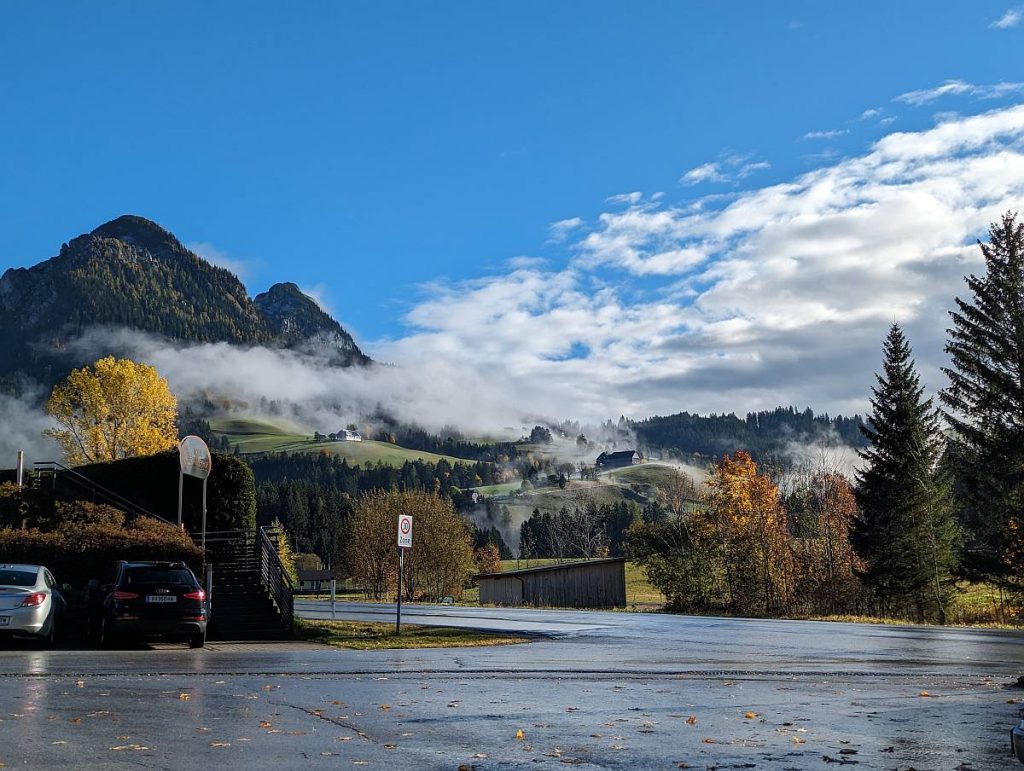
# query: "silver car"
31, 605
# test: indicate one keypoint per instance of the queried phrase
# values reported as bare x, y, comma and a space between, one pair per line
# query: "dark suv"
151, 600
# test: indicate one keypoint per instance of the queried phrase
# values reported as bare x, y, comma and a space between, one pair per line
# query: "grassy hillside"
251, 435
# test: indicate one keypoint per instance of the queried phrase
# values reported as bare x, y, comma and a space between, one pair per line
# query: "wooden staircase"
252, 594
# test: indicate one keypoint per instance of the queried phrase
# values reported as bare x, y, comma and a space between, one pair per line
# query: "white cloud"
780, 296
825, 134
706, 172
870, 113
1009, 19
215, 256
752, 168
960, 88
561, 229
728, 168
627, 198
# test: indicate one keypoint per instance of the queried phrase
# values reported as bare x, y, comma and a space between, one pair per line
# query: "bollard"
332, 598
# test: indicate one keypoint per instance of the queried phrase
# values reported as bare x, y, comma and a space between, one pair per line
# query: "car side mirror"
65, 587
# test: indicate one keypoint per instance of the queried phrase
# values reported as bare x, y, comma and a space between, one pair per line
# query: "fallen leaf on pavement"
184, 696
750, 715
519, 734
691, 720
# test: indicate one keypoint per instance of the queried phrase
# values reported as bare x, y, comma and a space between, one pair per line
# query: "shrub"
77, 552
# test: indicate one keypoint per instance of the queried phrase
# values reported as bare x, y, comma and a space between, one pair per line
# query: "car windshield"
155, 575
17, 578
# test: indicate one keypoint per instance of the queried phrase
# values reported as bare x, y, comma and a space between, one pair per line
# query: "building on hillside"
618, 459
314, 580
345, 435
597, 583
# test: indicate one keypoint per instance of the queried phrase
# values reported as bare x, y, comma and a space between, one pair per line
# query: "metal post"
401, 576
332, 597
21, 468
209, 590
204, 517
181, 485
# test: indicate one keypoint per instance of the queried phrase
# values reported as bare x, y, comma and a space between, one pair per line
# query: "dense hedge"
80, 551
152, 482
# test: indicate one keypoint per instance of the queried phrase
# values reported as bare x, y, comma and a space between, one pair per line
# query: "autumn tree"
749, 522
985, 406
905, 533
487, 559
115, 409
441, 560
829, 567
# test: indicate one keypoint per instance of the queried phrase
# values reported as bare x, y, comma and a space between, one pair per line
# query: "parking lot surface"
598, 690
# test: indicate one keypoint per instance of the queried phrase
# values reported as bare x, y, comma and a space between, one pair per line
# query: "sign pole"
404, 542
204, 515
181, 488
21, 469
401, 575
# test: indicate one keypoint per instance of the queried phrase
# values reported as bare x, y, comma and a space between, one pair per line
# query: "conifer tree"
985, 406
905, 532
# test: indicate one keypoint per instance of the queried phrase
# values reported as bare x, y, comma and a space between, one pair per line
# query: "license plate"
5, 620
161, 598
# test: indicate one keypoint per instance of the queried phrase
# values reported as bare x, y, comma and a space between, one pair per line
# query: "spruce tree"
905, 532
985, 406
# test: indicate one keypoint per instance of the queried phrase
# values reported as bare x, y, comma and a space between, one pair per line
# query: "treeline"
312, 494
448, 442
584, 530
762, 434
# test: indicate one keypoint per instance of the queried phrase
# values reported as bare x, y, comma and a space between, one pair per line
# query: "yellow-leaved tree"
115, 409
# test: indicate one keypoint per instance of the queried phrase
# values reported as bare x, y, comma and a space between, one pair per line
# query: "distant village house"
345, 435
619, 459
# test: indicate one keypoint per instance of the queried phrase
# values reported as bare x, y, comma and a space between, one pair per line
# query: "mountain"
298, 322
133, 273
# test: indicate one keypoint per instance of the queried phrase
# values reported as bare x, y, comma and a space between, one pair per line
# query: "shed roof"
556, 566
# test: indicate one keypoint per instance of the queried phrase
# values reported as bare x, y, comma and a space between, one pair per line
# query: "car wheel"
46, 640
107, 638
197, 640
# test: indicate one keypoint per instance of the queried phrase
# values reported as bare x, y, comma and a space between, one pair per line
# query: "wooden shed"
597, 583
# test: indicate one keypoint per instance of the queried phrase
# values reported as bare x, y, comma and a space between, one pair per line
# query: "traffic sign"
405, 531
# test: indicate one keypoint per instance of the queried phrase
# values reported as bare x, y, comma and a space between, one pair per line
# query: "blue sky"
395, 157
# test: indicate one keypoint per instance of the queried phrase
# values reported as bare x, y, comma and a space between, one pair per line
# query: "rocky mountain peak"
140, 232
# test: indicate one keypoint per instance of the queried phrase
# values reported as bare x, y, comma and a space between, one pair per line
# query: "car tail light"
33, 600
125, 595
199, 595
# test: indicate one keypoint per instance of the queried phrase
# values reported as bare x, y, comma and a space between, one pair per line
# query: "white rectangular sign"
405, 531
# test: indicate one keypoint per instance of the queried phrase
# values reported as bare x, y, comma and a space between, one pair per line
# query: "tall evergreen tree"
985, 406
905, 532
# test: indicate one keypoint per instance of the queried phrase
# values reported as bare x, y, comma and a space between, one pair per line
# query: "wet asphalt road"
603, 690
